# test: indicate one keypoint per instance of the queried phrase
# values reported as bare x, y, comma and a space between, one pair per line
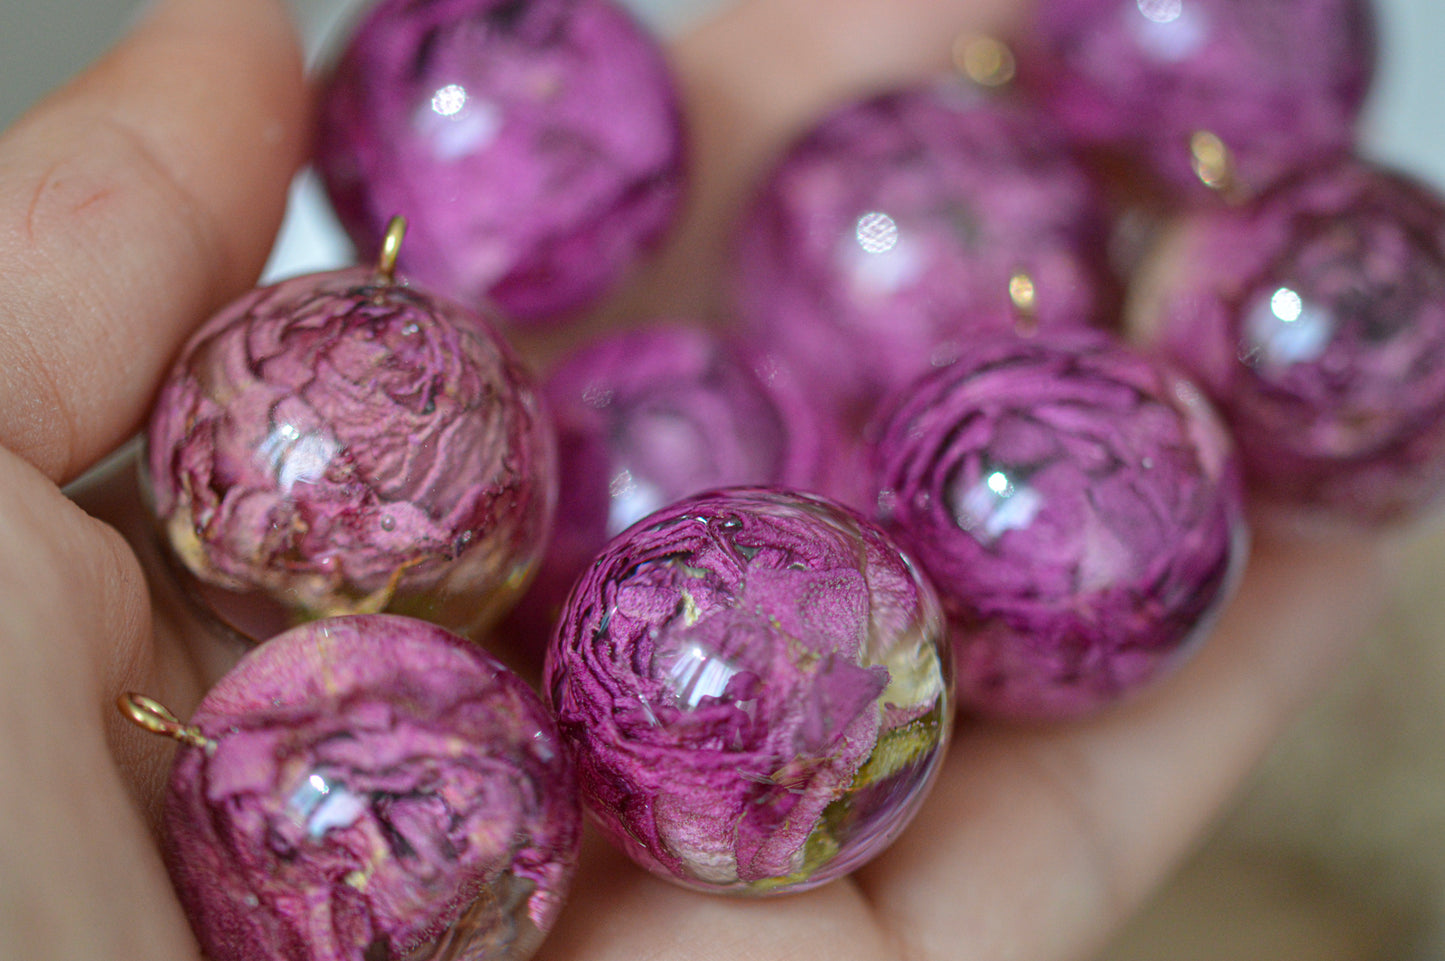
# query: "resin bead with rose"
754, 687
647, 416
900, 226
370, 786
537, 147
345, 443
1315, 320
1078, 508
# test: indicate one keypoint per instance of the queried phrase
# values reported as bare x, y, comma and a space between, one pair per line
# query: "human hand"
145, 195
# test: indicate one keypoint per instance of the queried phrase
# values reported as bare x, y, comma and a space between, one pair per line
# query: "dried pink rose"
1315, 320
894, 231
753, 687
1078, 508
535, 145
348, 445
1280, 83
375, 788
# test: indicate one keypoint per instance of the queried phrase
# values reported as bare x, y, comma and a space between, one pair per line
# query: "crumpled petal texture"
376, 782
1315, 319
753, 685
1280, 82
1078, 508
347, 446
535, 147
648, 416
888, 235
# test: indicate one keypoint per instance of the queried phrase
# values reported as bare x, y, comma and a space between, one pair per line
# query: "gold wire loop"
390, 247
1213, 163
155, 717
1024, 294
985, 60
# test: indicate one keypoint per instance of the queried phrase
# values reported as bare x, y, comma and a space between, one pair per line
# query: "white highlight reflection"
876, 232
993, 505
630, 500
449, 100
1169, 30
878, 258
699, 673
457, 124
1287, 305
1161, 11
1282, 328
321, 806
297, 458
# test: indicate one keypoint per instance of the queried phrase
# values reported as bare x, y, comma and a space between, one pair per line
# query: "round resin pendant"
1078, 508
1315, 319
536, 146
345, 443
647, 417
368, 787
754, 688
1234, 93
901, 226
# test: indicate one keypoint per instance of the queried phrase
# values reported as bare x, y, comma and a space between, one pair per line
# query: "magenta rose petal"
754, 688
371, 786
1279, 84
343, 443
536, 147
1078, 508
891, 232
1315, 320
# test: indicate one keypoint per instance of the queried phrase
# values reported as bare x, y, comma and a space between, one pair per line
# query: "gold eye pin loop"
1213, 163
155, 717
985, 60
390, 247
1024, 294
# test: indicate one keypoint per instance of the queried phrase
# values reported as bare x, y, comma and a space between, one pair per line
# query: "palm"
133, 204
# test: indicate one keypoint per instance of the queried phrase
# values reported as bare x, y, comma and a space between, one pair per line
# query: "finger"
180, 655
73, 842
1038, 843
133, 202
618, 912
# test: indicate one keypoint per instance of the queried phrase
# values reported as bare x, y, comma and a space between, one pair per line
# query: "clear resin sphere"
1315, 319
371, 787
536, 147
1078, 508
342, 443
901, 225
1277, 83
754, 688
649, 416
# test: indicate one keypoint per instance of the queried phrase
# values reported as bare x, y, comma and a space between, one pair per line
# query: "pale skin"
145, 194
